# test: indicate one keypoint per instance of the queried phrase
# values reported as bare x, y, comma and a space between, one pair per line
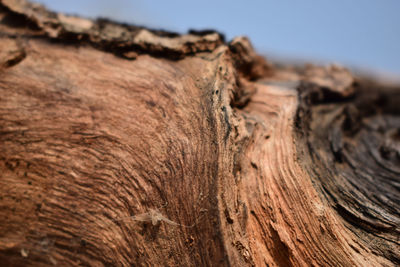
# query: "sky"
363, 34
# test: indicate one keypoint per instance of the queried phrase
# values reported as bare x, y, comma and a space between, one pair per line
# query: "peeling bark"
126, 146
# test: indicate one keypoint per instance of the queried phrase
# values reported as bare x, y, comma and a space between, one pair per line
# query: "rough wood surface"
124, 146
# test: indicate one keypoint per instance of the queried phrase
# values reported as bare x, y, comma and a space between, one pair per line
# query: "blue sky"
357, 33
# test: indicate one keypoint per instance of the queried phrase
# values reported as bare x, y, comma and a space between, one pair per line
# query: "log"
125, 146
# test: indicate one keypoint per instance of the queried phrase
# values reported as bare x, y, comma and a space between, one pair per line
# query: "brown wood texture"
124, 146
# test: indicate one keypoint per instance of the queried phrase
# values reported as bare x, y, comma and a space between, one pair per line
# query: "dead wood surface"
124, 146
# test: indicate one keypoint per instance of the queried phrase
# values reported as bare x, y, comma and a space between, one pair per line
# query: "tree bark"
124, 146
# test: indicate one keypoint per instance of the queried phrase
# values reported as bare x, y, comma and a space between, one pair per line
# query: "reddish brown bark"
125, 146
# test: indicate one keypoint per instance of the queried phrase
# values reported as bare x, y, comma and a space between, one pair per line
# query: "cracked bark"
275, 166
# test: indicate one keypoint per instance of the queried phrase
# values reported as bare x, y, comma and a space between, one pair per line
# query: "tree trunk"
123, 146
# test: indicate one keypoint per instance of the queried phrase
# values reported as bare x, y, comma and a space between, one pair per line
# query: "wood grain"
125, 146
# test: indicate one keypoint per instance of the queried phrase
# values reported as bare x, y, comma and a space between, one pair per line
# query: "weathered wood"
123, 146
